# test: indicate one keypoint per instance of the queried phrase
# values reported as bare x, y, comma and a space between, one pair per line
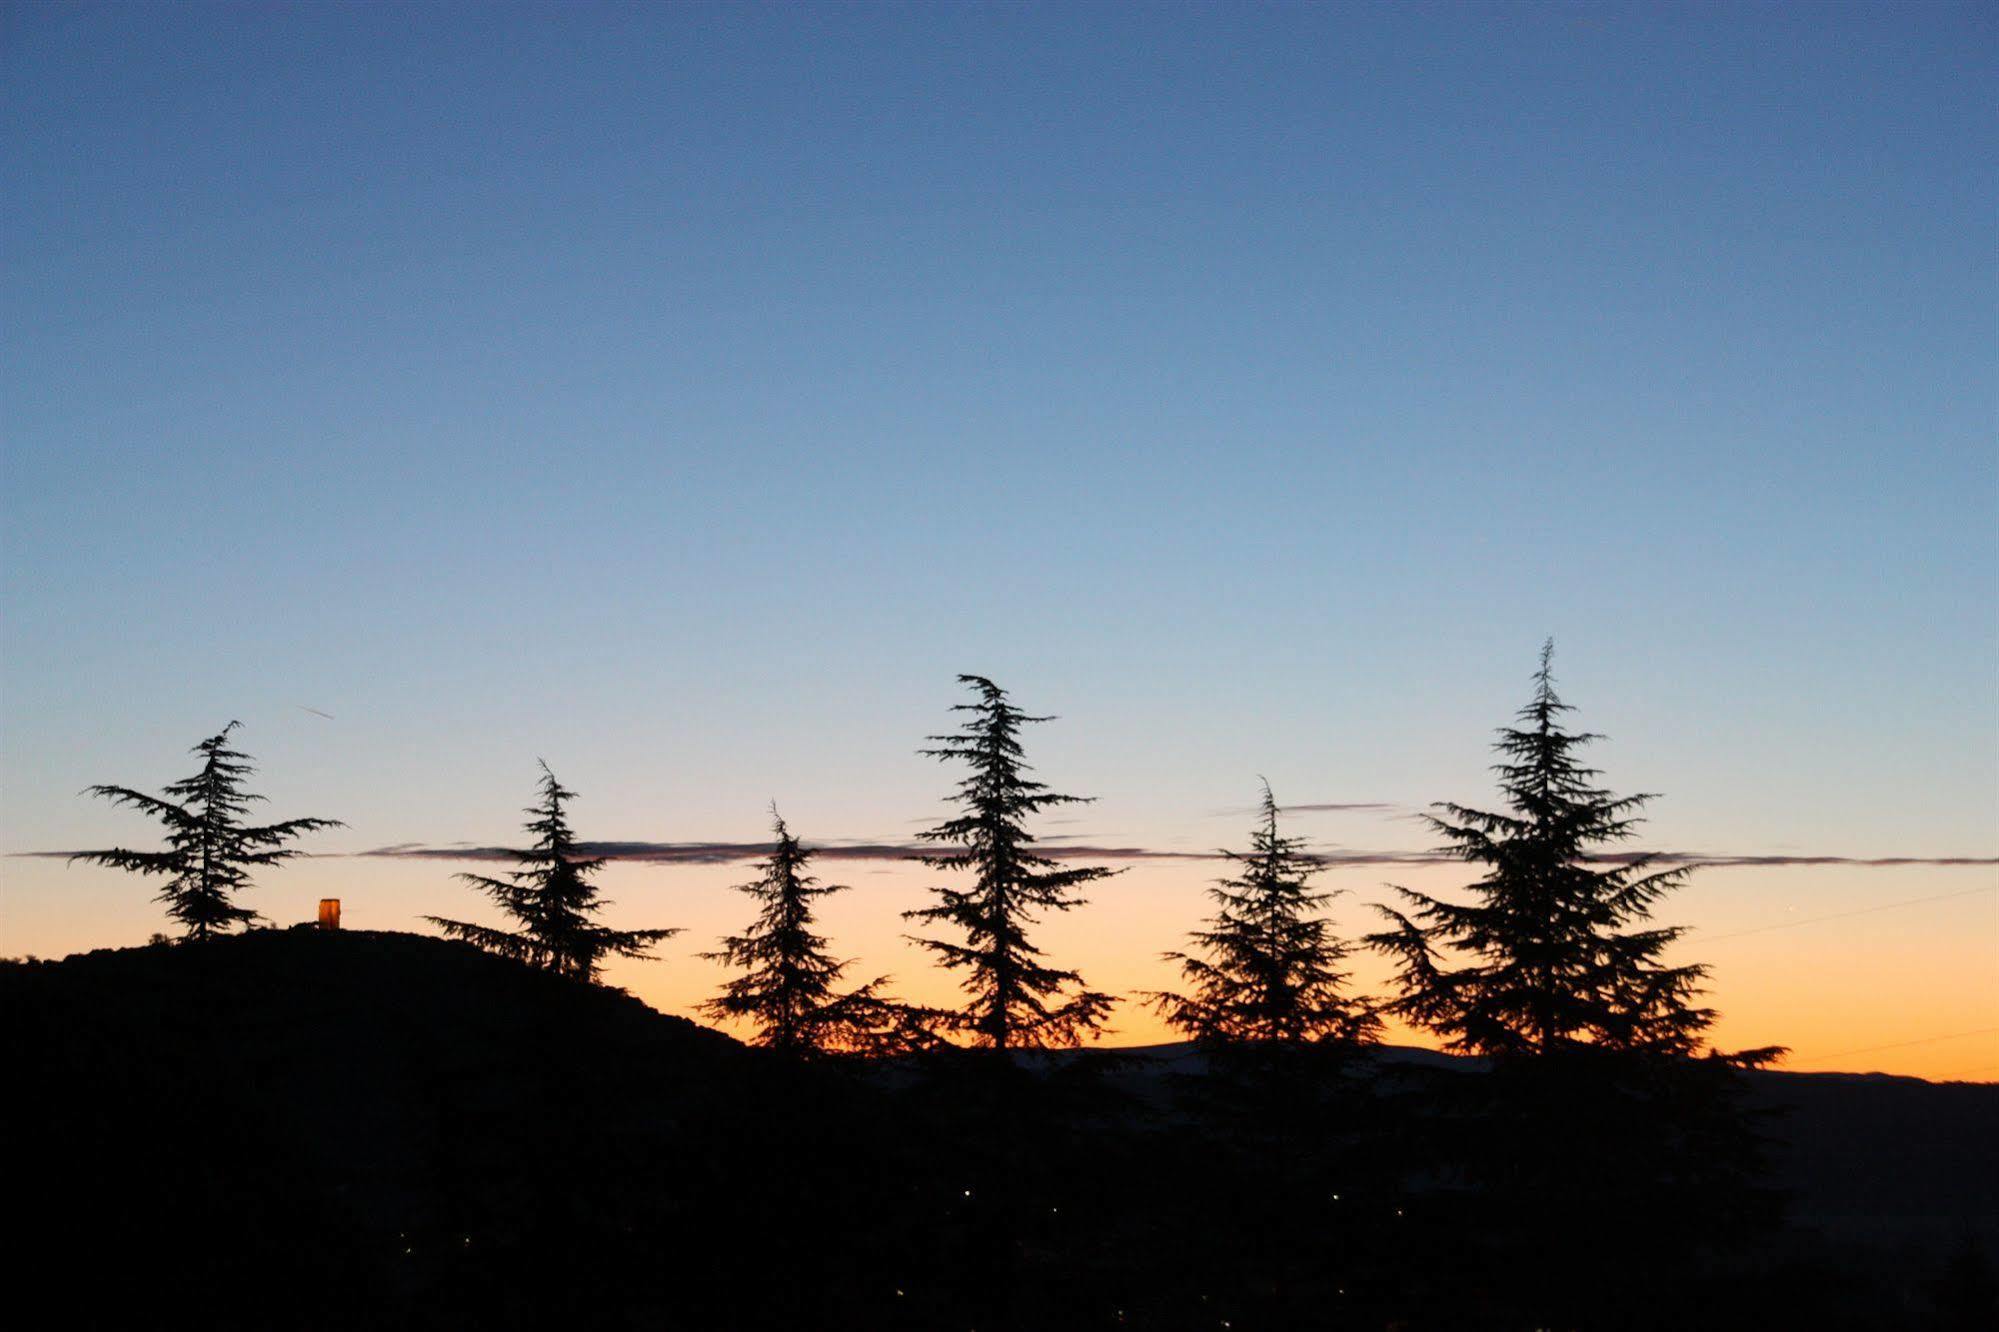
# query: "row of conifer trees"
1554, 952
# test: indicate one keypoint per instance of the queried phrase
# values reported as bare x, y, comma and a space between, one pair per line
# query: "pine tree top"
210, 851
1555, 950
552, 899
997, 793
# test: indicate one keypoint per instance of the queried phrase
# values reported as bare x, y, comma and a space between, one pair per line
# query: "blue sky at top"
684, 394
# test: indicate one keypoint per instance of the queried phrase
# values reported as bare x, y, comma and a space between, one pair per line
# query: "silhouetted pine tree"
1591, 1108
787, 986
210, 851
1554, 950
1275, 1112
1270, 970
553, 899
1015, 1000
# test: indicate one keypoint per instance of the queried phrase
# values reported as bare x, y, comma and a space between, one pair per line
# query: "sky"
685, 395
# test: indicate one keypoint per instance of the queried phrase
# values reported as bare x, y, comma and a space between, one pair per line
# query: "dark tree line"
1553, 953
1294, 1168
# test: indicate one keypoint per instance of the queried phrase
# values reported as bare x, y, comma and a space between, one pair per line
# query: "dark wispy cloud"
1060, 847
1707, 859
1314, 807
721, 853
1865, 862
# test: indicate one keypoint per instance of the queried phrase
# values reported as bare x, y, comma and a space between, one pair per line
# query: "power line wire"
1841, 915
1897, 1045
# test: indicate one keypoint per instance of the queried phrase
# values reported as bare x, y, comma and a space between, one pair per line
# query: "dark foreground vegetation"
306, 1129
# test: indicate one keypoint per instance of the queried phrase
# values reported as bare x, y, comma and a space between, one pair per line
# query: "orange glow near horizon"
1909, 990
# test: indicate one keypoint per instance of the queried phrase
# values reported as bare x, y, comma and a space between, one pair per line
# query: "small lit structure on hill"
329, 913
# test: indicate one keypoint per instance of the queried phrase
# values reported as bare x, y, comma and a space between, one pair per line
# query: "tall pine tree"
1591, 1109
553, 900
210, 850
787, 989
1269, 969
1015, 1001
1555, 952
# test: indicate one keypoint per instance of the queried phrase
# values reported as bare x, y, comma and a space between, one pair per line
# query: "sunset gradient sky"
685, 395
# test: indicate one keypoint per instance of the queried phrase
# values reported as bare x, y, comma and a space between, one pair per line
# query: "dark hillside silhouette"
361, 1129
210, 850
329, 1130
552, 898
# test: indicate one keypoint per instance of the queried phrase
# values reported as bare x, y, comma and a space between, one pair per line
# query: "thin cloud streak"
722, 853
718, 853
725, 853
1314, 807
